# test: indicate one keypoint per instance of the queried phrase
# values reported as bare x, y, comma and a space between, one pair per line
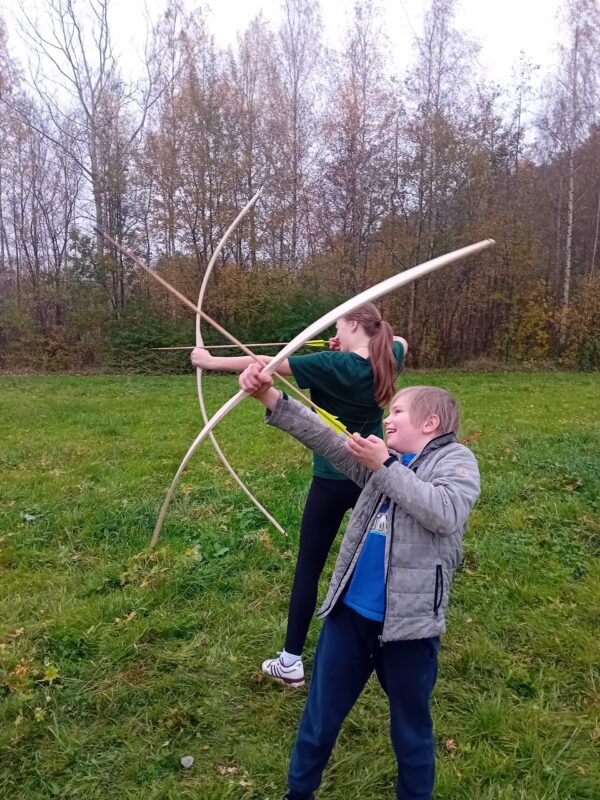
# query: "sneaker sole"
294, 684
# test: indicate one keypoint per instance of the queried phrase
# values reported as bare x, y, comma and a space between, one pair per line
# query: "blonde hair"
428, 400
381, 353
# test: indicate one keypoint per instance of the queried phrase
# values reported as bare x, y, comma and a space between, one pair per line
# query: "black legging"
326, 504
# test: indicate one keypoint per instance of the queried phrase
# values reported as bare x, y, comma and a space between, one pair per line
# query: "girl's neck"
360, 346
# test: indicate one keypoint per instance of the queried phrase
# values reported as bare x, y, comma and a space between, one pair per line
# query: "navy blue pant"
347, 653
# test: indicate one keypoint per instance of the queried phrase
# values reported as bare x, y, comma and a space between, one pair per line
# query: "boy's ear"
431, 424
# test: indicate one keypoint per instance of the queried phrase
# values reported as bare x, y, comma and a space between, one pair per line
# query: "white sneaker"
290, 676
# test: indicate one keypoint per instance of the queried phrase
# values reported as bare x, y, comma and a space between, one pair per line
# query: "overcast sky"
502, 28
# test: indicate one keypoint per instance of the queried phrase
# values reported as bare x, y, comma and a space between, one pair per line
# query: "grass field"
116, 662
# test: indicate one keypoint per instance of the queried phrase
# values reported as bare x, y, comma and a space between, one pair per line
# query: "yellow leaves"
145, 569
186, 489
194, 553
11, 638
51, 674
450, 746
229, 772
178, 719
223, 770
127, 618
19, 680
39, 714
264, 539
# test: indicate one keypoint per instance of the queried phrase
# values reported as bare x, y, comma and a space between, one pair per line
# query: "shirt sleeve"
399, 354
312, 370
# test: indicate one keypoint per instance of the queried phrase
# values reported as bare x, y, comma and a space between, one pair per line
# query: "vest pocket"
439, 589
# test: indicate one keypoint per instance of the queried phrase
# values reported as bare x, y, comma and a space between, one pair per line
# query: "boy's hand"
370, 452
201, 358
254, 381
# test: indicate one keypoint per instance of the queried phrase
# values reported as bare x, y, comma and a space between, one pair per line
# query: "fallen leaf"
51, 674
450, 745
223, 770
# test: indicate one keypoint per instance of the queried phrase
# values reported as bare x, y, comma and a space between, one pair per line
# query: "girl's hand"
370, 452
334, 343
201, 358
254, 381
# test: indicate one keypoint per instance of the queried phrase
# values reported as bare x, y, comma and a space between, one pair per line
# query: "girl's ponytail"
381, 353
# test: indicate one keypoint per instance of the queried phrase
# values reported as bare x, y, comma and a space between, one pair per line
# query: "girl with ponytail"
353, 380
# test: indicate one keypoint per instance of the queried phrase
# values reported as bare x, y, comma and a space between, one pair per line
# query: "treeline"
365, 173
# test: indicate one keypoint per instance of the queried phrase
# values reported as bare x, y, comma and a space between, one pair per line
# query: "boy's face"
401, 434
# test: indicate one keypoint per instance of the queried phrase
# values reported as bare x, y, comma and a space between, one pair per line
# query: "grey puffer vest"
430, 503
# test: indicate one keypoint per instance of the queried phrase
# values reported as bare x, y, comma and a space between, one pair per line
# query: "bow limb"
200, 343
372, 294
214, 420
369, 295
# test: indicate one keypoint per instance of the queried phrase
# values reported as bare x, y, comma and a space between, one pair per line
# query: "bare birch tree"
574, 106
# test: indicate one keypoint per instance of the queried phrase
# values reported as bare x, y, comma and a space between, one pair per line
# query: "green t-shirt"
342, 384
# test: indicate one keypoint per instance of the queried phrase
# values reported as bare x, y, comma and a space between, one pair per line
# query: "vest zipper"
387, 569
439, 585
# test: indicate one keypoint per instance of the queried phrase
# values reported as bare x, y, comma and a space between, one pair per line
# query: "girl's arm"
202, 359
403, 342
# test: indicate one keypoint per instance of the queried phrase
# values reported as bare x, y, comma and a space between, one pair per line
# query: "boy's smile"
401, 433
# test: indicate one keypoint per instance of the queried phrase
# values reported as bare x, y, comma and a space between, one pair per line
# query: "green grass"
115, 662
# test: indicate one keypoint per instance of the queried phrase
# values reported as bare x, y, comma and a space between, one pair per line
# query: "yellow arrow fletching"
317, 343
332, 421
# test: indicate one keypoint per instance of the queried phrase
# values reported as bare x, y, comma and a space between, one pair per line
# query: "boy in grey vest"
385, 607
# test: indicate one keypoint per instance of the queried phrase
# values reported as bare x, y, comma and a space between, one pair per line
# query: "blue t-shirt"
366, 590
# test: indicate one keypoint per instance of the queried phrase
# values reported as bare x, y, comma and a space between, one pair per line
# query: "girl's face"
344, 331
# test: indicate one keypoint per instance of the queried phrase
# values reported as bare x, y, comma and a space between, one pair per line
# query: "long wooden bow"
225, 333
369, 295
200, 343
